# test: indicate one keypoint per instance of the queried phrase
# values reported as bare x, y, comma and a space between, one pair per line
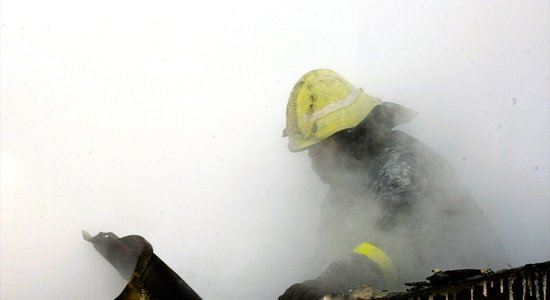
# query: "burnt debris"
149, 277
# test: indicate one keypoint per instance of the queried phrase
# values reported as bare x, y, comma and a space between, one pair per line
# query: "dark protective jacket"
398, 194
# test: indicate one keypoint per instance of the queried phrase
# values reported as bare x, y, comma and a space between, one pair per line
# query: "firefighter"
395, 208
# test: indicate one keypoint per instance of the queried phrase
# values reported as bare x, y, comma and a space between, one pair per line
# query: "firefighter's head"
322, 107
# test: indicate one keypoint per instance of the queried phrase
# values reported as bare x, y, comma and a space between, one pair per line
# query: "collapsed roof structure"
149, 278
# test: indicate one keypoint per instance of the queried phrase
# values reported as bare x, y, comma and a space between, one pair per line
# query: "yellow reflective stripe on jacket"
380, 258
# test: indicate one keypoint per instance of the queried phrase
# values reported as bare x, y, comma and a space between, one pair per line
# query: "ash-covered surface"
529, 282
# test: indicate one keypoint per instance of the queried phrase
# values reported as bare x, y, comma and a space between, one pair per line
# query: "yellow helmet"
321, 104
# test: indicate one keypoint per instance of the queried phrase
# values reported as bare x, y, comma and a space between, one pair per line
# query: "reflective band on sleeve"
380, 258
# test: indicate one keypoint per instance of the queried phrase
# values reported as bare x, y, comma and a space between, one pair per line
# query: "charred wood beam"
529, 282
149, 278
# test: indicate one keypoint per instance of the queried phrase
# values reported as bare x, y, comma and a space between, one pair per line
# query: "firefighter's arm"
366, 264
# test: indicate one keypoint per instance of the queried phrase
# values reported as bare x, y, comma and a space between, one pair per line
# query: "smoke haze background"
165, 120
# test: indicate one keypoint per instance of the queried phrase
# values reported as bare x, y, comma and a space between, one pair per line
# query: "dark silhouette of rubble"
529, 282
150, 278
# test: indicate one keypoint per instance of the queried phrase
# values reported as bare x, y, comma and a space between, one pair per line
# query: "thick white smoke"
165, 120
